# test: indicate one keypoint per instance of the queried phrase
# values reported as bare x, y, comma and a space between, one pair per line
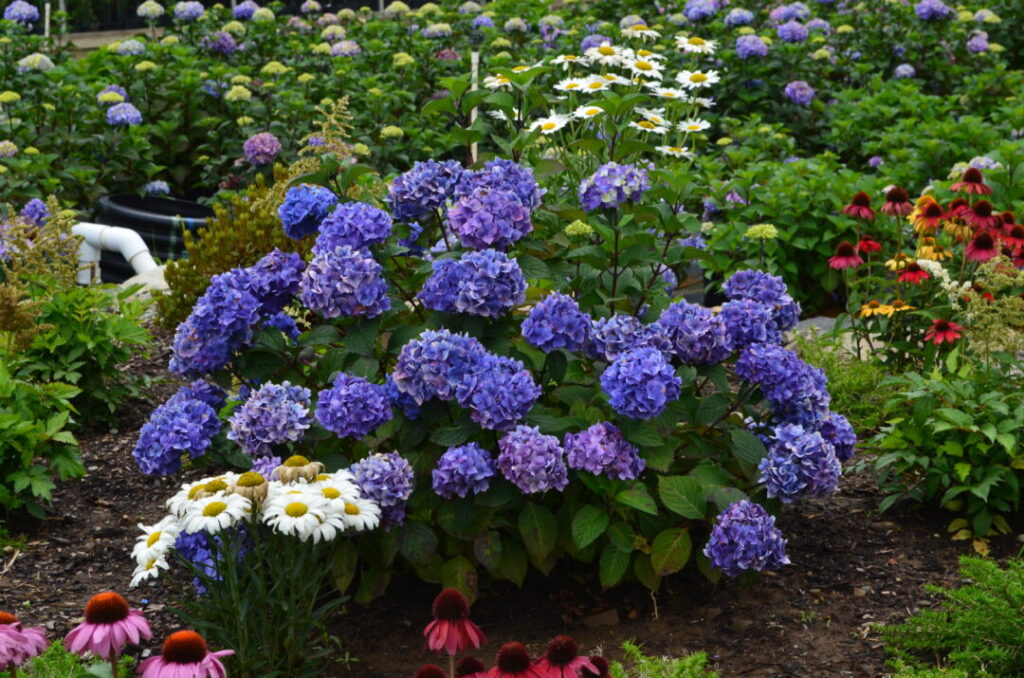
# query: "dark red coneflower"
470, 667
972, 182
912, 273
943, 331
601, 666
980, 215
562, 659
1008, 218
868, 244
928, 217
860, 207
513, 662
1013, 235
451, 629
897, 203
982, 247
430, 671
845, 257
957, 207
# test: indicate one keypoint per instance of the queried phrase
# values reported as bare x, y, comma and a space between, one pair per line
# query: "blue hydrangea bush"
513, 386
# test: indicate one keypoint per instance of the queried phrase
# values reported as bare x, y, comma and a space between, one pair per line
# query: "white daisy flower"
299, 514
609, 55
641, 31
596, 84
646, 68
585, 112
697, 79
674, 151
655, 115
149, 570
335, 494
155, 540
361, 515
216, 513
566, 61
501, 115
523, 69
648, 126
703, 102
571, 85
497, 82
695, 45
649, 55
614, 79
550, 124
667, 92
694, 125
179, 503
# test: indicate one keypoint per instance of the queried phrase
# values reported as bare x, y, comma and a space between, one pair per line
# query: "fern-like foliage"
640, 665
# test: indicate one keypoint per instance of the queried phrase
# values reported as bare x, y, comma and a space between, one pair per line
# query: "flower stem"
451, 666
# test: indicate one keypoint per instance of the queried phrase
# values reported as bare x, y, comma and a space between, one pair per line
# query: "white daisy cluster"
302, 502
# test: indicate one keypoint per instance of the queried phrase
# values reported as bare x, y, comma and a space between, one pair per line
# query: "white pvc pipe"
96, 237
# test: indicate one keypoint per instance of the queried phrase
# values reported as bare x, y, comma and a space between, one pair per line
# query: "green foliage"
977, 630
57, 662
640, 665
36, 445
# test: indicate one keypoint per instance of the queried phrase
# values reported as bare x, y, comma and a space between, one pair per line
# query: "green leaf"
539, 529
459, 573
637, 497
345, 563
682, 495
613, 565
487, 549
746, 446
644, 572
670, 551
622, 535
513, 562
710, 409
588, 524
417, 541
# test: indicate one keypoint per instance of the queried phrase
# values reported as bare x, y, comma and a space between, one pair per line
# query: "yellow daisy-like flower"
898, 262
873, 308
899, 305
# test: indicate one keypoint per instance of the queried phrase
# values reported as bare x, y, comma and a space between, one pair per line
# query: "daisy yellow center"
331, 492
214, 508
592, 111
609, 77
296, 460
296, 509
548, 126
698, 77
596, 85
646, 124
644, 65
675, 149
322, 476
698, 42
570, 57
251, 479
640, 27
151, 563
670, 95
195, 490
654, 118
215, 486
351, 509
153, 538
572, 85
606, 50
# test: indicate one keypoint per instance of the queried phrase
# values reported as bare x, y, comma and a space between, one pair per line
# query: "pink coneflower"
868, 244
600, 668
514, 662
860, 207
108, 625
982, 247
845, 257
913, 274
1008, 218
972, 182
470, 667
1013, 235
957, 207
563, 659
430, 671
18, 644
897, 203
943, 331
980, 215
451, 629
185, 655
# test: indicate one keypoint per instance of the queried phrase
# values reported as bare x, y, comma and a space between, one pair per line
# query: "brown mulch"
851, 569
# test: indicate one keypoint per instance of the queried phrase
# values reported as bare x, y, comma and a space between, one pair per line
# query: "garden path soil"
851, 569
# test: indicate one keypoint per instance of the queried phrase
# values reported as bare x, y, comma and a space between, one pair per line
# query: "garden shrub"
977, 629
637, 664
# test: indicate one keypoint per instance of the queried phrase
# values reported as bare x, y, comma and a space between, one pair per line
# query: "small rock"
602, 619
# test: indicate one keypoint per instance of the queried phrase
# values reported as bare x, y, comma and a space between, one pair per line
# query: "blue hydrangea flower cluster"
489, 218
611, 337
221, 42
904, 71
505, 175
352, 406
699, 10
388, 480
749, 322
260, 149
483, 21
745, 538
796, 11
345, 282
203, 391
557, 322
158, 187
799, 92
21, 12
748, 46
486, 283
766, 289
640, 383
284, 322
933, 10
304, 208
116, 89
434, 364
274, 280
532, 461
35, 212
837, 431
602, 449
697, 336
266, 466
403, 401
273, 414
799, 464
131, 48
595, 40
189, 11
498, 391
613, 185
819, 26
462, 470
123, 114
423, 189
195, 548
182, 424
245, 9
355, 224
792, 31
796, 392
738, 16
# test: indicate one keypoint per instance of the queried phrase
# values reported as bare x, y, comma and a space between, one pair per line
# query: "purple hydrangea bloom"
245, 9
796, 391
275, 279
353, 406
180, 425
273, 414
434, 364
766, 289
875, 161
799, 92
189, 11
750, 46
697, 336
261, 149
117, 89
123, 115
203, 391
695, 241
489, 218
464, 469
486, 283
930, 10
21, 12
640, 383
532, 461
904, 71
345, 48
423, 189
557, 322
221, 42
611, 337
304, 208
346, 281
403, 401
799, 464
792, 31
506, 175
35, 212
157, 187
355, 224
284, 322
499, 391
745, 538
612, 185
819, 25
483, 21
388, 480
602, 449
266, 466
310, 6
738, 17
699, 10
796, 10
978, 42
749, 322
595, 40
131, 48
837, 430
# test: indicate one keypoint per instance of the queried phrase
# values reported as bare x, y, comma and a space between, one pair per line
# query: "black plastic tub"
160, 221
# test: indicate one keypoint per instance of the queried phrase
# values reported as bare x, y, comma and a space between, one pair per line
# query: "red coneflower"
867, 245
956, 209
913, 274
860, 207
1008, 218
513, 662
980, 215
1013, 235
451, 629
109, 625
972, 182
979, 289
928, 217
600, 663
982, 247
562, 659
470, 667
943, 331
430, 671
897, 203
845, 257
